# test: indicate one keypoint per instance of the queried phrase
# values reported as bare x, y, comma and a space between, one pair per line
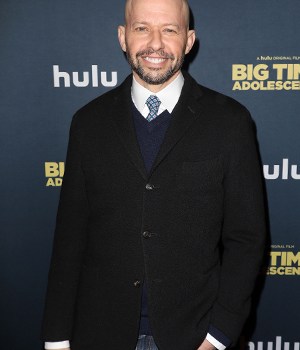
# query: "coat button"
147, 234
137, 283
149, 187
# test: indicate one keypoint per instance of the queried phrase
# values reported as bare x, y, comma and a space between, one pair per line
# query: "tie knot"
153, 103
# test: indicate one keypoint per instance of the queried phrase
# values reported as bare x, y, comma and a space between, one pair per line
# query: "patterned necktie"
153, 103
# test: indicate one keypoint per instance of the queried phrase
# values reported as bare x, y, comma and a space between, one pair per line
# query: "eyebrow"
163, 25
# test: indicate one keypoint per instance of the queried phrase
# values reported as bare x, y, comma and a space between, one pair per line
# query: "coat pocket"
205, 176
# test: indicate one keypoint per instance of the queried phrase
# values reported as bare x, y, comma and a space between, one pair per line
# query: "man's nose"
156, 40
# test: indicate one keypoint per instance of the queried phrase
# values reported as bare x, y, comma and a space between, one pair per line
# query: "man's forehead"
172, 8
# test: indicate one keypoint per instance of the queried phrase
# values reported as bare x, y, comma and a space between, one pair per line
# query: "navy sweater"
150, 136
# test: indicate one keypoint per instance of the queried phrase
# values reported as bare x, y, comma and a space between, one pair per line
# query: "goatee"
155, 78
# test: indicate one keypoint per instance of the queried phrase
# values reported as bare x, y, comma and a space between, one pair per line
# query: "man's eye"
170, 30
141, 29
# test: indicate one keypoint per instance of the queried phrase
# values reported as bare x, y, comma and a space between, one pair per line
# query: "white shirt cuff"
57, 345
215, 342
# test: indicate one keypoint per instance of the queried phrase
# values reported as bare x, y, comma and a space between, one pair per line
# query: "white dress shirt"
169, 97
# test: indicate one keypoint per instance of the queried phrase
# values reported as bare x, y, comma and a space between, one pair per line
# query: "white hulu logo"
85, 78
271, 346
283, 172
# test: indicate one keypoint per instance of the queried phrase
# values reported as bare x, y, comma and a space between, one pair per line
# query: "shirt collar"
168, 96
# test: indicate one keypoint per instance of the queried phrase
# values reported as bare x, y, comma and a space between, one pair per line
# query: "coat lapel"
184, 114
122, 115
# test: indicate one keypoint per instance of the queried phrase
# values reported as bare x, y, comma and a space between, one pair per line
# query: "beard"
155, 76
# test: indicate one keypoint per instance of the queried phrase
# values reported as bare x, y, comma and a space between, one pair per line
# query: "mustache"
160, 53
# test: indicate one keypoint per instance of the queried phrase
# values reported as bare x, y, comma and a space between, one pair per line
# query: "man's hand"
206, 345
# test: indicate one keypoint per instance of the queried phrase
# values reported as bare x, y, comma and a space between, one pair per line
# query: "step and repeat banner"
58, 55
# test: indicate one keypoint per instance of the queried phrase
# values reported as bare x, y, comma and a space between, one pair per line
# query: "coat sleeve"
243, 232
68, 247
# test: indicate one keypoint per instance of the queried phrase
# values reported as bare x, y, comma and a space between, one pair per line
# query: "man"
160, 226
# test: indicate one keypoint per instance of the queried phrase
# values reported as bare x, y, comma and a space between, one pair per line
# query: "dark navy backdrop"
75, 35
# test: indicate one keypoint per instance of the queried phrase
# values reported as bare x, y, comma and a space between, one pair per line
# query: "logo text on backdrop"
278, 76
84, 79
277, 345
284, 260
54, 173
284, 171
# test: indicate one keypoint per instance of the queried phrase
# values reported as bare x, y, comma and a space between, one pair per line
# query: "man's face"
156, 39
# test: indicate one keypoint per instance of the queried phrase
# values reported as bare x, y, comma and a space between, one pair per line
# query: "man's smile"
155, 60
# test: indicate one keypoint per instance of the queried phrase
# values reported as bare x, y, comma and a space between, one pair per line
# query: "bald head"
156, 37
185, 10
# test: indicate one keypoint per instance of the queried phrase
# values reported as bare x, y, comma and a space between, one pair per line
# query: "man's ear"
121, 36
191, 37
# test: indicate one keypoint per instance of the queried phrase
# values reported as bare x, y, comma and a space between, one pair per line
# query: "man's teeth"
154, 60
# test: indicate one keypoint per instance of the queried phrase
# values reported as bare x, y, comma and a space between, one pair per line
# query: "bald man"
160, 227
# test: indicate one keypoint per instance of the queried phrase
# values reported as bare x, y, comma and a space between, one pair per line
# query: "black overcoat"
118, 227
